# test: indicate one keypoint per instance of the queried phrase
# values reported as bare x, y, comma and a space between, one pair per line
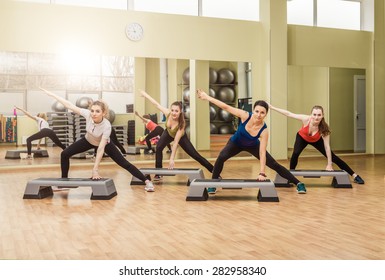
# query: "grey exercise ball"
225, 129
212, 92
213, 129
226, 94
187, 130
225, 116
213, 76
213, 113
186, 76
111, 116
84, 102
187, 111
186, 94
58, 107
225, 76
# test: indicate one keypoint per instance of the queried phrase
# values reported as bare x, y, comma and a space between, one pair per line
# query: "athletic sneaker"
150, 152
359, 180
157, 178
169, 151
211, 190
301, 188
149, 187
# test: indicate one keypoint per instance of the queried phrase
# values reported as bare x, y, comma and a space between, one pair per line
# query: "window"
343, 14
338, 14
232, 9
181, 7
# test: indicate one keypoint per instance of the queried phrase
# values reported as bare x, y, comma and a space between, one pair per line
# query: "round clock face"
134, 31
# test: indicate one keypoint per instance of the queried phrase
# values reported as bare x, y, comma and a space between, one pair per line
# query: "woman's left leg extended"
188, 147
319, 145
116, 156
273, 164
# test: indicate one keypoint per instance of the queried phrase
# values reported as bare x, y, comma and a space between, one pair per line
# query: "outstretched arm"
164, 110
232, 110
329, 166
142, 118
63, 101
303, 118
26, 113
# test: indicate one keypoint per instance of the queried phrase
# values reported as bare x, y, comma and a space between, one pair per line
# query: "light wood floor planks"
326, 223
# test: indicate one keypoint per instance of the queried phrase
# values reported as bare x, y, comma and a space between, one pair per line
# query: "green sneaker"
359, 180
211, 190
301, 188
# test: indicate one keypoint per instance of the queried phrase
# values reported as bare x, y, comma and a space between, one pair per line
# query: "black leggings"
156, 132
186, 145
300, 145
45, 132
114, 139
231, 149
83, 145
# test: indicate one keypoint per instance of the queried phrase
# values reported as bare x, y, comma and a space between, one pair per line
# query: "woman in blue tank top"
251, 136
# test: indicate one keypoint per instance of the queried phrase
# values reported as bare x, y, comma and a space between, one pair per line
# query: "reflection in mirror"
341, 92
111, 78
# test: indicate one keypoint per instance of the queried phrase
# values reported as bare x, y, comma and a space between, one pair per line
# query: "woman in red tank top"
315, 131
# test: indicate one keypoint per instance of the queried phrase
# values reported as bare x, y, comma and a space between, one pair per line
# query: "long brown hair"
181, 120
323, 127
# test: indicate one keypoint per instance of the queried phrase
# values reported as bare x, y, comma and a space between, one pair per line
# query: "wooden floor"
324, 224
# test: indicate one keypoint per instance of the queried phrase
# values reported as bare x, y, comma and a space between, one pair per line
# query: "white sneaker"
149, 187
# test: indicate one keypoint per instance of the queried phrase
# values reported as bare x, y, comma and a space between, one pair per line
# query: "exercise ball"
225, 129
226, 94
58, 107
213, 129
225, 76
186, 94
213, 113
213, 76
111, 116
187, 111
225, 116
212, 92
186, 76
84, 102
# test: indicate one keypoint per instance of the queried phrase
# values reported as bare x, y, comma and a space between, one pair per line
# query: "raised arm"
26, 113
164, 110
142, 118
303, 118
63, 101
232, 110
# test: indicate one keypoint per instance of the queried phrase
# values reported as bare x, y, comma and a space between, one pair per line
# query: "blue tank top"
243, 139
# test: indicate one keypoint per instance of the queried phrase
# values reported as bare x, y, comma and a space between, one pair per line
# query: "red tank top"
304, 133
151, 126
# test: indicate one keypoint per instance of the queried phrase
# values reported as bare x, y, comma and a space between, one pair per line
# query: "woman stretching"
44, 131
174, 132
98, 130
155, 130
251, 136
315, 131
